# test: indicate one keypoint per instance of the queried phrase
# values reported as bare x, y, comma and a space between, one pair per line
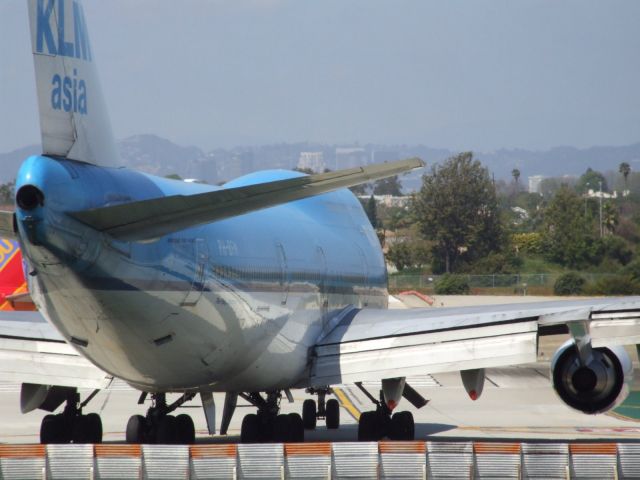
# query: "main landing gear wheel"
268, 425
136, 427
329, 410
379, 423
159, 426
71, 425
309, 413
332, 418
250, 430
402, 426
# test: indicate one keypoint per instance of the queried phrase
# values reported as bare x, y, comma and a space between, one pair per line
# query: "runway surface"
517, 403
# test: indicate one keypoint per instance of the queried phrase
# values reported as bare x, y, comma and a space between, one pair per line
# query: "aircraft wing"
373, 344
32, 351
148, 219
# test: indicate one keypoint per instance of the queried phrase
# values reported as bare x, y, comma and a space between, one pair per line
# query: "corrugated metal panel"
22, 462
69, 462
403, 459
628, 460
355, 460
497, 460
593, 460
261, 461
545, 460
449, 460
213, 461
118, 462
307, 460
165, 461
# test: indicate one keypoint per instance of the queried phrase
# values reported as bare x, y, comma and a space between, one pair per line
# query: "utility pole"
601, 232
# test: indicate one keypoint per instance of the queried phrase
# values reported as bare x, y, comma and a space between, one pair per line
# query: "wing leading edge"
375, 344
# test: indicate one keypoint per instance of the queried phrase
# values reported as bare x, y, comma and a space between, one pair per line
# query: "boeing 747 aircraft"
272, 282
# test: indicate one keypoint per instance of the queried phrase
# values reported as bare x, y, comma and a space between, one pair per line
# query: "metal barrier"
383, 460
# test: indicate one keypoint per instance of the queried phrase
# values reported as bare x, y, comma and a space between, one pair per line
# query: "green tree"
388, 186
457, 209
400, 256
361, 189
371, 210
567, 235
625, 170
591, 180
515, 173
7, 193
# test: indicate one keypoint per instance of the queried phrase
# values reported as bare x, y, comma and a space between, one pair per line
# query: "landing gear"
71, 425
376, 424
268, 425
309, 414
327, 409
161, 427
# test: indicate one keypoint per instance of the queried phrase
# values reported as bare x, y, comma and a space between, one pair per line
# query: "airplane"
272, 282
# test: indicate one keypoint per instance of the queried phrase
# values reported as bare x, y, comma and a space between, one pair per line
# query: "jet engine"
593, 385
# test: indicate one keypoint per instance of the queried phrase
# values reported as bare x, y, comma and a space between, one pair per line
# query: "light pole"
601, 233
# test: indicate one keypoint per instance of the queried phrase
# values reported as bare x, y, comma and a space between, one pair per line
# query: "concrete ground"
518, 403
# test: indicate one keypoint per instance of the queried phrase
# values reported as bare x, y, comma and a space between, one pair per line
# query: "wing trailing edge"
149, 219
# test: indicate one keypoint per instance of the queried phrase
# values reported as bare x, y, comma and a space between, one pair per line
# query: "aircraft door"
321, 261
284, 273
201, 259
366, 284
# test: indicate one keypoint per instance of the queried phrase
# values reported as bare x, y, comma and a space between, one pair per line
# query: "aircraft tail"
73, 117
14, 294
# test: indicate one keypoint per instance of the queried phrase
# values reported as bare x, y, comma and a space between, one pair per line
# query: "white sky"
460, 74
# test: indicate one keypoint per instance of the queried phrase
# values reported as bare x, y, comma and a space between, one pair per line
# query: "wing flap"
148, 219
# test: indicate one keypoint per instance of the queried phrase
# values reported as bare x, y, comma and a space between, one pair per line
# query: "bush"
452, 285
527, 243
615, 285
632, 270
569, 284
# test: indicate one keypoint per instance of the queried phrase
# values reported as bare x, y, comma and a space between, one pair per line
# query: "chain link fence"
518, 282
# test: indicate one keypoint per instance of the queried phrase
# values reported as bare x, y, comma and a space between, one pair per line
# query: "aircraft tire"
64, 429
136, 427
332, 418
49, 429
185, 429
166, 430
282, 429
402, 426
368, 427
309, 413
93, 427
250, 430
297, 428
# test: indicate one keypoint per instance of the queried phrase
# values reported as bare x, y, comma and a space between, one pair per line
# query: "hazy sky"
461, 74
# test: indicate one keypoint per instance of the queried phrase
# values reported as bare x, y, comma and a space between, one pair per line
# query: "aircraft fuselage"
233, 305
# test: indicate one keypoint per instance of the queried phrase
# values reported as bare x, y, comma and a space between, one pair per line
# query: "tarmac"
518, 403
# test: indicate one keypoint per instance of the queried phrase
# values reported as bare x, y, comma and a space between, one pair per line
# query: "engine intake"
597, 386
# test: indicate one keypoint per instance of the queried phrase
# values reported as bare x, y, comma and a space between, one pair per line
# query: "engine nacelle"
600, 385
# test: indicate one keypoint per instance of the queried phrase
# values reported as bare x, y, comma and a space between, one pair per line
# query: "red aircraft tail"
14, 294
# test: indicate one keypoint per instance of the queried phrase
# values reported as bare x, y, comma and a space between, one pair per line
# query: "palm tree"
515, 173
625, 170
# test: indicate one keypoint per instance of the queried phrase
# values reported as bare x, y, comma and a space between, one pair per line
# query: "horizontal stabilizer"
149, 219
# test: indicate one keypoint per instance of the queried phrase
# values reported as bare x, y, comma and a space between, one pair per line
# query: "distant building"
350, 157
388, 200
534, 183
380, 156
313, 161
